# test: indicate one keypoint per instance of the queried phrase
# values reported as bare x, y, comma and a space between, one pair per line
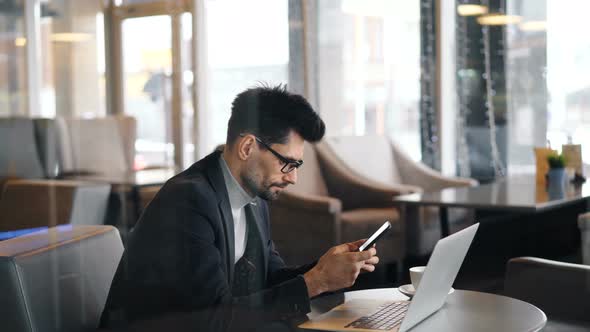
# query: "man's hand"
370, 263
339, 267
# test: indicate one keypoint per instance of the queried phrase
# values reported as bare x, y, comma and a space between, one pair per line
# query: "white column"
177, 87
200, 73
446, 84
32, 15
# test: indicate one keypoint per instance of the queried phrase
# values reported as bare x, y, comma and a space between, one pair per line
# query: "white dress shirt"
238, 199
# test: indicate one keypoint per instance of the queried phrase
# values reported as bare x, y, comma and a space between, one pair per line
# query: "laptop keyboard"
386, 317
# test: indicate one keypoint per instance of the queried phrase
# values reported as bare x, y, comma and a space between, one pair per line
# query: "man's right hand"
338, 268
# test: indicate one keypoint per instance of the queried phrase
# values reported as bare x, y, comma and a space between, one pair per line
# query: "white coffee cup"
416, 273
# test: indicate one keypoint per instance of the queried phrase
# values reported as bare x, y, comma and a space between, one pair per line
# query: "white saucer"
409, 291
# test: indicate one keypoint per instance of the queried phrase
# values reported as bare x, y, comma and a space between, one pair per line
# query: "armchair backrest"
101, 145
19, 155
561, 290
309, 177
369, 156
57, 279
47, 139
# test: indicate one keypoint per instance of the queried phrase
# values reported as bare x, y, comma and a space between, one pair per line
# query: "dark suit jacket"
179, 262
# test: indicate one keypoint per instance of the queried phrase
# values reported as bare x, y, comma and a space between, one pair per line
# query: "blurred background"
436, 77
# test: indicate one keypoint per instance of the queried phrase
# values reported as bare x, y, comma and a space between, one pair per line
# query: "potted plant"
556, 173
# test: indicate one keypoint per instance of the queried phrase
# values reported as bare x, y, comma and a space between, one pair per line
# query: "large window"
12, 60
534, 77
369, 69
568, 65
246, 42
64, 72
147, 68
72, 59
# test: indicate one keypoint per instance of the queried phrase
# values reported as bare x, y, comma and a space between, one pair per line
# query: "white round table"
463, 311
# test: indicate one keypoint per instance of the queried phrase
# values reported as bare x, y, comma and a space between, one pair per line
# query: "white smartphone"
373, 239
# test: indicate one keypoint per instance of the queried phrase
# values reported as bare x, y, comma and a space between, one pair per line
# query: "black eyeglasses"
290, 164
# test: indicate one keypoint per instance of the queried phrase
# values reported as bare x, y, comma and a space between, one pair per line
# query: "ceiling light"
20, 42
471, 10
499, 19
533, 26
373, 8
70, 37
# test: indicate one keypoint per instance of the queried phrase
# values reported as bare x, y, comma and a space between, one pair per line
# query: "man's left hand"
369, 264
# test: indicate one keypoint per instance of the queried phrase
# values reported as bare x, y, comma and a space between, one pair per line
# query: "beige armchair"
378, 160
98, 145
104, 146
328, 207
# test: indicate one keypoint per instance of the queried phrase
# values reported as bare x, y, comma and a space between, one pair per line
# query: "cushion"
107, 155
369, 156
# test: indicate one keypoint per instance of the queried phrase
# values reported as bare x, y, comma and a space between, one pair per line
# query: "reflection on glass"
72, 59
187, 82
568, 62
12, 64
546, 70
253, 48
147, 66
369, 69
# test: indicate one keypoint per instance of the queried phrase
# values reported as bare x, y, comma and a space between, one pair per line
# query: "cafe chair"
103, 145
19, 157
379, 160
328, 207
561, 290
57, 280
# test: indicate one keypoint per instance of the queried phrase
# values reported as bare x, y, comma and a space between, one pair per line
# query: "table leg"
444, 221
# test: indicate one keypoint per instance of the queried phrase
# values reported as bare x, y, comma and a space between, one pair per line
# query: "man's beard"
263, 191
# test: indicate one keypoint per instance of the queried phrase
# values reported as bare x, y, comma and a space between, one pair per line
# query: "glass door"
147, 86
153, 79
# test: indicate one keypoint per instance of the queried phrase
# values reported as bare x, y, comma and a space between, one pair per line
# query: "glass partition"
253, 48
369, 69
13, 99
72, 59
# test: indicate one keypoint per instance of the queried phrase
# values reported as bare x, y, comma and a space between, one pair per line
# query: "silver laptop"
400, 316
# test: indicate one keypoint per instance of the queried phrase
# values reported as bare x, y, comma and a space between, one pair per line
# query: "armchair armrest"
358, 192
355, 190
560, 289
304, 227
420, 175
315, 203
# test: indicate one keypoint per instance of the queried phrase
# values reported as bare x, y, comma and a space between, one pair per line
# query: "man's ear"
246, 147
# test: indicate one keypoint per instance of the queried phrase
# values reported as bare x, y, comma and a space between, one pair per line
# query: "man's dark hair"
270, 113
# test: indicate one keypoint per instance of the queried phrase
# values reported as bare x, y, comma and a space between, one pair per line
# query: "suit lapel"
216, 179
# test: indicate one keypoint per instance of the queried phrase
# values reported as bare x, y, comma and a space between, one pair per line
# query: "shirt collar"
238, 197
